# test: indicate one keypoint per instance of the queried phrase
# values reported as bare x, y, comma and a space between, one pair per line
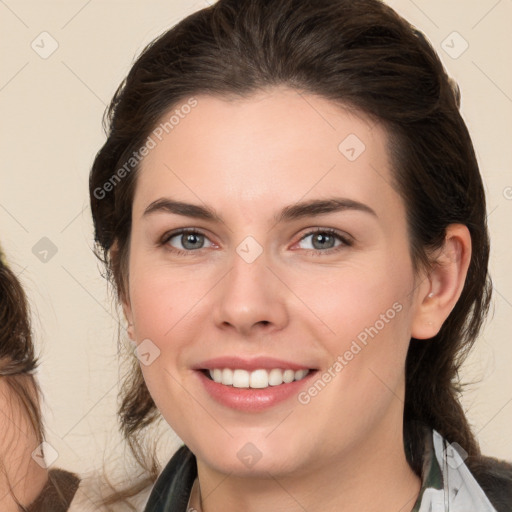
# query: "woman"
290, 208
26, 484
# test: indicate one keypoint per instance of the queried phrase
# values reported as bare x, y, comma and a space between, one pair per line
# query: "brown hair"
355, 53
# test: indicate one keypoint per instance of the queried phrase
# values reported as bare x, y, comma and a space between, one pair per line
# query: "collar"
447, 483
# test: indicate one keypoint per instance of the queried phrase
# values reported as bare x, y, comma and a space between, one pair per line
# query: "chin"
252, 466
258, 457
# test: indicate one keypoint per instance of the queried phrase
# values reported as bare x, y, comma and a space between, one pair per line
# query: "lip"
250, 399
256, 363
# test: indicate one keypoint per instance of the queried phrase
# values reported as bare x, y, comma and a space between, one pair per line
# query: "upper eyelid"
179, 231
331, 231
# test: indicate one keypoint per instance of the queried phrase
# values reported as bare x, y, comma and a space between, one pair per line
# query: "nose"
251, 300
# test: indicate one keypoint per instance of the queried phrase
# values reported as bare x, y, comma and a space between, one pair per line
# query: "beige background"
51, 110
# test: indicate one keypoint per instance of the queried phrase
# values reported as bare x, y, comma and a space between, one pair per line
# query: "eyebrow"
310, 208
321, 207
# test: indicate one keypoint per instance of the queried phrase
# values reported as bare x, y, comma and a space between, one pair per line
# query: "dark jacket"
495, 478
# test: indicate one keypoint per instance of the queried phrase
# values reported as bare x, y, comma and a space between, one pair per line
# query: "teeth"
257, 379
288, 376
275, 377
240, 378
227, 377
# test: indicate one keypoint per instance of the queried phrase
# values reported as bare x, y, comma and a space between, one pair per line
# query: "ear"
439, 292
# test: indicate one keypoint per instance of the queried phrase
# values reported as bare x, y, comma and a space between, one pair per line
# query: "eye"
187, 240
324, 240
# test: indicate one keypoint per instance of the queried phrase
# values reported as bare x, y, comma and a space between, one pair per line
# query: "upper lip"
250, 364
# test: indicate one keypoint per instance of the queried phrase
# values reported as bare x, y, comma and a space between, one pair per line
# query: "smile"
256, 379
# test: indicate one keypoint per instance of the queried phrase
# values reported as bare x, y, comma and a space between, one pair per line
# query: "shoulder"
58, 492
495, 478
93, 490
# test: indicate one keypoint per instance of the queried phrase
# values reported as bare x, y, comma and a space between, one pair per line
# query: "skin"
248, 159
19, 474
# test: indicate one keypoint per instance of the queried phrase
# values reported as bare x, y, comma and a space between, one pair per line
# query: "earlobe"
445, 282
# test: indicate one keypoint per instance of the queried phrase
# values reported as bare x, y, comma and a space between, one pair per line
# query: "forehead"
278, 144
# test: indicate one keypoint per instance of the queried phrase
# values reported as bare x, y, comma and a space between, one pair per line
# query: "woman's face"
297, 258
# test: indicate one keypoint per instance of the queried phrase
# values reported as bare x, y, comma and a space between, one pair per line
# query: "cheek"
355, 301
163, 307
367, 314
161, 300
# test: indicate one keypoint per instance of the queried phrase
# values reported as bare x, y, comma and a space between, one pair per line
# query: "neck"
375, 477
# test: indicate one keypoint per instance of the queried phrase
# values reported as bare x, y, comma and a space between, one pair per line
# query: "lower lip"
249, 399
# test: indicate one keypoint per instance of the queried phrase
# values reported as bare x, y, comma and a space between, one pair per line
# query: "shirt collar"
447, 483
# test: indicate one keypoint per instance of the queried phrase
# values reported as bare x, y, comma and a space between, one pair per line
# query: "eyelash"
345, 241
